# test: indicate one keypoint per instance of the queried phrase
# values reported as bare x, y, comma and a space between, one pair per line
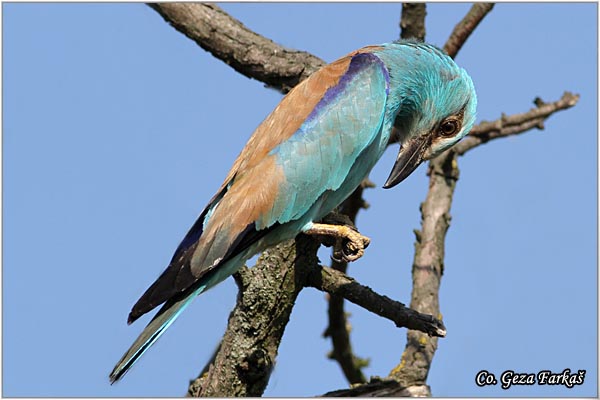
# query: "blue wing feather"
320, 154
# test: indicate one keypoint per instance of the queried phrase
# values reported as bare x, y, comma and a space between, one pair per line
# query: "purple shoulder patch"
358, 62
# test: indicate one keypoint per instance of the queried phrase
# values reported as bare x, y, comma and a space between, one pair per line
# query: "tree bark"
412, 21
245, 51
266, 296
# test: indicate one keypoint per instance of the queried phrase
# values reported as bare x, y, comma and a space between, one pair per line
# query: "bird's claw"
351, 247
349, 244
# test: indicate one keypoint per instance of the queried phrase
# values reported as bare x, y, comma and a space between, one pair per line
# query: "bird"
306, 157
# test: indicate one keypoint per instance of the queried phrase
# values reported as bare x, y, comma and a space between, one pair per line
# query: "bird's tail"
161, 321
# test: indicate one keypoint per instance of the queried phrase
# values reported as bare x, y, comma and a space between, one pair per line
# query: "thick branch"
335, 282
465, 27
247, 52
515, 124
412, 21
247, 352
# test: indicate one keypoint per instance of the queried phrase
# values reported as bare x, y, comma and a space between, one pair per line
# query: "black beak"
409, 158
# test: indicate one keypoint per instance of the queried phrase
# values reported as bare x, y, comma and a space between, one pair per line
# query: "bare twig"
335, 282
515, 124
465, 27
412, 21
247, 52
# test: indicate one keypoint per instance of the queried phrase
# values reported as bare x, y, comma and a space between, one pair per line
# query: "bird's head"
435, 102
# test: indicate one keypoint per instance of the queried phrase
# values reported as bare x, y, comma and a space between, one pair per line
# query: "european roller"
307, 157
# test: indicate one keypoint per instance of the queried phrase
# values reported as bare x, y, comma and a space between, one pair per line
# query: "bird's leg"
349, 244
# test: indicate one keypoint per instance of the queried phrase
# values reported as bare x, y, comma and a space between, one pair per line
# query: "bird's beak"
409, 158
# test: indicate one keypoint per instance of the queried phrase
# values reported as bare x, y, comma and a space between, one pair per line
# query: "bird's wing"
320, 154
305, 147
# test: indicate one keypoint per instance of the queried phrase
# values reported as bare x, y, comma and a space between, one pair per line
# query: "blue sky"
117, 129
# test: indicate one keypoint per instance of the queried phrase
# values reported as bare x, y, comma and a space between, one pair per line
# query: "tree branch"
465, 27
247, 352
428, 267
515, 124
412, 21
246, 355
336, 282
230, 41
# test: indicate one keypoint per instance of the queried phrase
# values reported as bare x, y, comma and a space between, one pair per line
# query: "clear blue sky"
117, 130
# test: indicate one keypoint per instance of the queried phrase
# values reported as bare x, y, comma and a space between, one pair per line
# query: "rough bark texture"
267, 294
412, 21
230, 41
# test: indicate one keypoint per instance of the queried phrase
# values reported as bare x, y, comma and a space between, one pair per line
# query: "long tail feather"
163, 319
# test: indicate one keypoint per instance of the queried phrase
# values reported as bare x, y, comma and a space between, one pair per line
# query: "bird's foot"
349, 244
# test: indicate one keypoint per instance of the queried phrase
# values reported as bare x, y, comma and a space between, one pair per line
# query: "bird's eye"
449, 127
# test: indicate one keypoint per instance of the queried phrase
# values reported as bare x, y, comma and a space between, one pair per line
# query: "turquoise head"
432, 101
